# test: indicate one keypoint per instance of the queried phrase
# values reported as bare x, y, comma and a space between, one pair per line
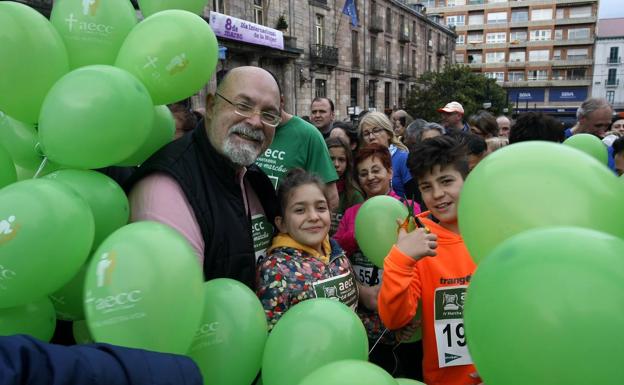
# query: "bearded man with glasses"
206, 185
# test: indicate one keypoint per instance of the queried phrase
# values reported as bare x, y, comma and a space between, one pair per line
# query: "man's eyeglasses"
247, 111
375, 131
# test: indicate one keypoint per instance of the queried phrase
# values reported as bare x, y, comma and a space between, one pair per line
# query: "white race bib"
449, 326
341, 287
364, 269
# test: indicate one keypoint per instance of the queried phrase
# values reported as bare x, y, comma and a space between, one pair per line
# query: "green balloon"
107, 200
590, 145
81, 333
143, 288
20, 139
92, 31
149, 7
36, 319
311, 334
161, 133
46, 232
173, 53
407, 381
537, 184
68, 300
8, 174
229, 342
33, 58
24, 173
544, 309
376, 228
348, 372
80, 128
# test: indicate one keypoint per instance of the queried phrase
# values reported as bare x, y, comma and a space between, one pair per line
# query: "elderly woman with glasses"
375, 127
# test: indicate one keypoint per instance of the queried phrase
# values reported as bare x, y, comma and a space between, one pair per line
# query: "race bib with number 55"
449, 326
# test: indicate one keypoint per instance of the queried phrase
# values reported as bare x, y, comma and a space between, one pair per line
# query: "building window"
475, 19
576, 74
538, 75
541, 14
453, 3
355, 86
559, 14
495, 57
496, 37
610, 97
428, 62
388, 20
401, 95
577, 12
517, 56
461, 39
355, 48
388, 58
612, 77
414, 34
459, 57
519, 15
475, 58
517, 36
515, 76
258, 8
539, 35
455, 20
539, 55
319, 26
414, 69
498, 76
218, 6
578, 53
320, 88
614, 55
401, 56
558, 34
578, 33
372, 90
556, 54
496, 1
387, 86
373, 48
497, 18
475, 38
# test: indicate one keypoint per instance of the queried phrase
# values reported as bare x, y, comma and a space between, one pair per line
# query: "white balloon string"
44, 162
378, 339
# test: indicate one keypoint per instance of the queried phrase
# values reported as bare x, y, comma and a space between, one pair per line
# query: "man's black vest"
210, 185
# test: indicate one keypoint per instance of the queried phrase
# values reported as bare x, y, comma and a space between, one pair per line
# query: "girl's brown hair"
350, 187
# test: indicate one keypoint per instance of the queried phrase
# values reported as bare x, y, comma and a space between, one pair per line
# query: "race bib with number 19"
449, 326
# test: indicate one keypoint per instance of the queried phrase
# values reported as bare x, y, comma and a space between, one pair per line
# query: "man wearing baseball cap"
452, 115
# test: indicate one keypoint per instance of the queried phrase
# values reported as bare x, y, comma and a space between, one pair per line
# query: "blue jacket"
28, 361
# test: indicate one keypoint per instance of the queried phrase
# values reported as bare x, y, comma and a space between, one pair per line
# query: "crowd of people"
270, 199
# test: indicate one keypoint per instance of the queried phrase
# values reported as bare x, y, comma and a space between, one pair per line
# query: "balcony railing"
612, 82
377, 65
406, 71
404, 34
376, 24
324, 55
614, 60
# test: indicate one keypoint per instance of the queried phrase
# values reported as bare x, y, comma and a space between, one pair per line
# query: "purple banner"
243, 30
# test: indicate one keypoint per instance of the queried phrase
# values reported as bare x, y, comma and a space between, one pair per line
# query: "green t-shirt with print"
297, 143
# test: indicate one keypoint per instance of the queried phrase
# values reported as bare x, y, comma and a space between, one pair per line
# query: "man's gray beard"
242, 154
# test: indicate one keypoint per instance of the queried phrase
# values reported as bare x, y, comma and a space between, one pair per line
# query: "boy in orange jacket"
439, 283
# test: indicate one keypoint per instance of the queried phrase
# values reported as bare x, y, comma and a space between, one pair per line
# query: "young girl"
302, 262
348, 192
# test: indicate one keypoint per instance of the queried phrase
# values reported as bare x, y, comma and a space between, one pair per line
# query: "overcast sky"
610, 9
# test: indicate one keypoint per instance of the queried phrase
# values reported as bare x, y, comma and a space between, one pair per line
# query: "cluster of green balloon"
46, 232
36, 319
537, 184
8, 174
348, 372
173, 53
376, 226
311, 334
142, 288
590, 145
92, 31
105, 127
33, 59
544, 308
161, 133
149, 7
20, 140
229, 342
110, 209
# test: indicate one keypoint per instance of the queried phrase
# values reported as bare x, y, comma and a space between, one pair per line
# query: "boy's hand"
407, 331
368, 296
418, 243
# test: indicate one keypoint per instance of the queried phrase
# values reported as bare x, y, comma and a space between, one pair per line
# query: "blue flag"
349, 10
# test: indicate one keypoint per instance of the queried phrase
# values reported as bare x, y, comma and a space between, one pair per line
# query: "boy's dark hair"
536, 126
618, 145
295, 178
443, 151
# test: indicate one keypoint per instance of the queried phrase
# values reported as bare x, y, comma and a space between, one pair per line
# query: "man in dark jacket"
27, 361
205, 184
